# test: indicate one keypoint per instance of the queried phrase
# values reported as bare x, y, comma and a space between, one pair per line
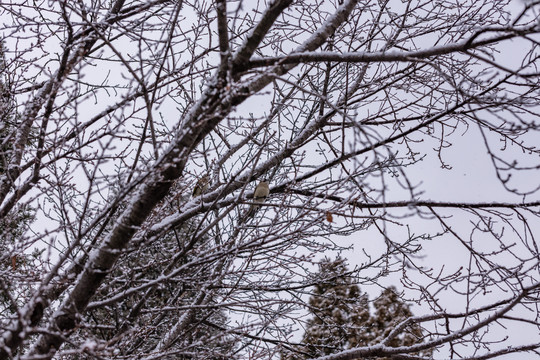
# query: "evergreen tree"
342, 319
7, 113
16, 266
139, 322
390, 310
336, 304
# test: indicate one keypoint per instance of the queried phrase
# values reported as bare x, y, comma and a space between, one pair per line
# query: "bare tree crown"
133, 136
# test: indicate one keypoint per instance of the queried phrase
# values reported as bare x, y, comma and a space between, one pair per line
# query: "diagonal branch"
242, 56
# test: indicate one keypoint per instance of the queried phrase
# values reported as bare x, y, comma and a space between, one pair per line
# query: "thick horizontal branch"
413, 203
381, 56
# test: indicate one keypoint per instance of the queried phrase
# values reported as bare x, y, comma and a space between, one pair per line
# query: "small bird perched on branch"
259, 196
202, 185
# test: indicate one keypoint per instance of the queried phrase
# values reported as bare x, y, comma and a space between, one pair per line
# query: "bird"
202, 185
259, 196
